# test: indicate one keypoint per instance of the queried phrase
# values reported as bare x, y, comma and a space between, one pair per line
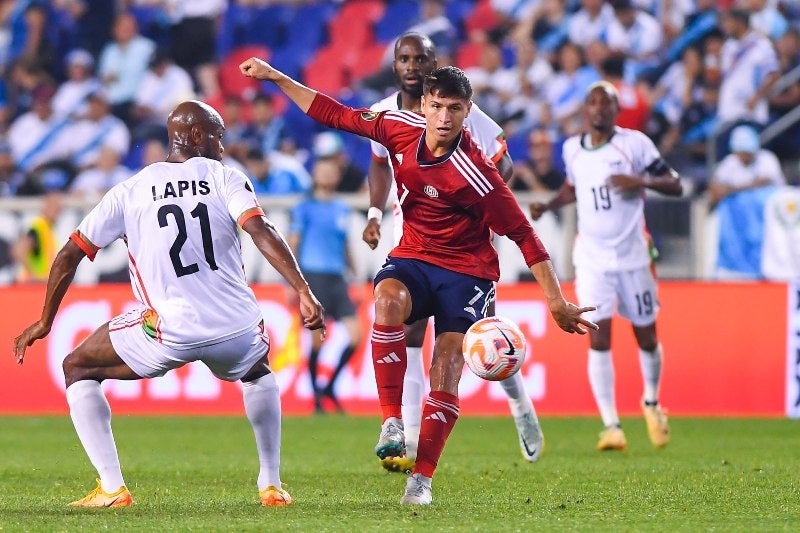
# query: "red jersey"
450, 204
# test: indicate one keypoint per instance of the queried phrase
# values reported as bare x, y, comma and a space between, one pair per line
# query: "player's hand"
259, 69
568, 317
537, 209
625, 182
312, 312
32, 333
372, 233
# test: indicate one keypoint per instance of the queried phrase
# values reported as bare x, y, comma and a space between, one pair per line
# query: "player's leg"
353, 328
94, 360
413, 385
394, 285
342, 309
313, 365
639, 303
529, 431
600, 289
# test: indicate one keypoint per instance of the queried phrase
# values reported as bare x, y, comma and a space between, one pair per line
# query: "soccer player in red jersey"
452, 198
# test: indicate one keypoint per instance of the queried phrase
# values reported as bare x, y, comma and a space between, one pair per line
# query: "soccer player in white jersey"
179, 220
608, 170
415, 58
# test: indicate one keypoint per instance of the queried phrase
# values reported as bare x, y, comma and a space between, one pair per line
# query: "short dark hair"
742, 15
449, 82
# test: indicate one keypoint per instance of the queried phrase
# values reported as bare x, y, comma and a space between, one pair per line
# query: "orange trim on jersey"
503, 149
84, 244
379, 159
144, 293
248, 214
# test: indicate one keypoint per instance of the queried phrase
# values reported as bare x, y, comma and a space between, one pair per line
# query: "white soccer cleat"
392, 441
531, 439
418, 491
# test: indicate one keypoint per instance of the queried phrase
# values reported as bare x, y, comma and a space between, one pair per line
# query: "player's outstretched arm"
274, 248
564, 196
379, 179
61, 274
567, 315
261, 70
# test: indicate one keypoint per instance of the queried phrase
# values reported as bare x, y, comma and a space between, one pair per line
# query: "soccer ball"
494, 348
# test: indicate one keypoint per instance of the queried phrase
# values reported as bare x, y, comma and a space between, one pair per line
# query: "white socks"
413, 391
518, 400
91, 416
651, 372
262, 403
601, 378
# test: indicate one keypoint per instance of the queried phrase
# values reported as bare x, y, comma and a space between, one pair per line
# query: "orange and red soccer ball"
494, 348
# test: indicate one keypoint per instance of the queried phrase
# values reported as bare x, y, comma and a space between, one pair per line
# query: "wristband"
375, 213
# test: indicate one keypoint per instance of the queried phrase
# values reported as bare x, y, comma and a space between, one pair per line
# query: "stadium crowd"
87, 84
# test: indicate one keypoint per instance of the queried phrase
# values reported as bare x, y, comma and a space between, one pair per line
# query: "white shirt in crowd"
732, 172
744, 63
611, 225
585, 29
70, 98
94, 181
641, 41
163, 93
87, 138
45, 140
180, 223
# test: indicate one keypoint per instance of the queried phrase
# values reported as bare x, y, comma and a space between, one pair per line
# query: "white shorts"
634, 292
229, 360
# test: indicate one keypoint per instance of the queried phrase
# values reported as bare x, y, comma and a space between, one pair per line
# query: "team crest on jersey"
369, 115
431, 191
399, 158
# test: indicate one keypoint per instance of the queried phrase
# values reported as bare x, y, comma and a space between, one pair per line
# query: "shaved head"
194, 129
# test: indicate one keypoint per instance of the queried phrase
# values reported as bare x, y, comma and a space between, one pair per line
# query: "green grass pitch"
198, 474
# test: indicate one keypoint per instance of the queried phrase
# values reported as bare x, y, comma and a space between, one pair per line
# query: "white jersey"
611, 227
744, 64
180, 224
486, 133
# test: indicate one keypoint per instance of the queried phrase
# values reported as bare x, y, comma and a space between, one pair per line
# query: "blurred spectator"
235, 127
100, 129
591, 22
634, 109
163, 87
547, 25
123, 64
26, 76
494, 86
93, 20
37, 248
318, 236
276, 173
194, 39
435, 24
765, 18
537, 173
267, 130
94, 181
566, 89
748, 166
26, 21
534, 72
71, 96
637, 35
328, 146
38, 136
11, 178
676, 90
787, 99
153, 151
697, 124
749, 67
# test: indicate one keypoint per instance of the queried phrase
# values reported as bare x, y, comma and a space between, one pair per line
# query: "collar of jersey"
593, 148
441, 158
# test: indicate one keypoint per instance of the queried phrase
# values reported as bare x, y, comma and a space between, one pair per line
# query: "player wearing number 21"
179, 220
452, 196
608, 169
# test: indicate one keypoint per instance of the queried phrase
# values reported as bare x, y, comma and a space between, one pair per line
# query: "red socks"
389, 362
438, 419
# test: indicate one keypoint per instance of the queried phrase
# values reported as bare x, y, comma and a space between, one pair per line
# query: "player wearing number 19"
608, 170
179, 220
